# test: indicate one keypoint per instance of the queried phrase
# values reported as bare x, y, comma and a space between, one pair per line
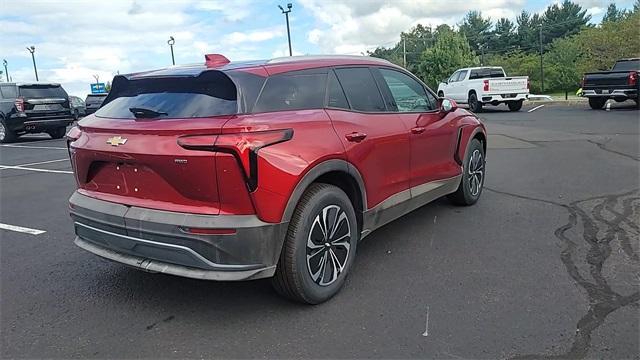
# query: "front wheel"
515, 105
473, 175
597, 103
320, 246
474, 104
57, 133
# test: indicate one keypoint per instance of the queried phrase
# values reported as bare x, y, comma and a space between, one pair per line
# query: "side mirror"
448, 105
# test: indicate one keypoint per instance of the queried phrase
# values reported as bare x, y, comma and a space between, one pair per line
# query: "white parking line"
33, 147
21, 229
35, 169
41, 162
536, 108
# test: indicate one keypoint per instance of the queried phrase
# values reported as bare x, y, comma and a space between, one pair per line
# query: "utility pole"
286, 14
32, 50
172, 41
481, 46
404, 51
6, 71
541, 65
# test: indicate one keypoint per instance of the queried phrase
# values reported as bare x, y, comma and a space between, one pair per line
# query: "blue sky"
75, 40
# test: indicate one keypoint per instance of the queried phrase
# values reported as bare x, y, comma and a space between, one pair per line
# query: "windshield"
42, 91
210, 94
627, 65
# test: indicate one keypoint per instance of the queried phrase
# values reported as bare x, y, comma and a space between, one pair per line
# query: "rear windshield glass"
486, 73
95, 99
42, 91
627, 65
211, 93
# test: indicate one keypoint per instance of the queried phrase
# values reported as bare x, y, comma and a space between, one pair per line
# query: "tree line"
561, 39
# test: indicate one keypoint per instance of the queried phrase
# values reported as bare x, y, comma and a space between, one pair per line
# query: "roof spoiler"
215, 60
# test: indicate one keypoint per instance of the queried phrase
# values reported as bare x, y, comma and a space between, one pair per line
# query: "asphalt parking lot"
546, 264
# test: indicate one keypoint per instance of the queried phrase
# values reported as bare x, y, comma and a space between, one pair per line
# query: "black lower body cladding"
157, 241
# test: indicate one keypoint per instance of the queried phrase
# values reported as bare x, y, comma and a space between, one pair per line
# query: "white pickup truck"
480, 86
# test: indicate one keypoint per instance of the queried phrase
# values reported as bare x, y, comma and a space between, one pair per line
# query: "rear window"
361, 89
292, 91
95, 99
211, 93
486, 73
42, 91
627, 65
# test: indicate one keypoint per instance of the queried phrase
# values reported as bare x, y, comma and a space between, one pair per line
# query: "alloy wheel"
476, 172
3, 131
328, 245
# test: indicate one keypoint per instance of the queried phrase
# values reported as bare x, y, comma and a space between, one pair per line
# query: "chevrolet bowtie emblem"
116, 140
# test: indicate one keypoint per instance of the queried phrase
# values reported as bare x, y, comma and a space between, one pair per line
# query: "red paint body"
151, 170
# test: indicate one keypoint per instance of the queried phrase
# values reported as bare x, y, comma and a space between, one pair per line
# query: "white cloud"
354, 26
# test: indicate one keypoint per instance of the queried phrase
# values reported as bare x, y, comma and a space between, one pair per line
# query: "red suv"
247, 170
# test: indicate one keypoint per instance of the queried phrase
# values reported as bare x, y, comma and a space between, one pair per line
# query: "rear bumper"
615, 93
23, 123
158, 241
501, 98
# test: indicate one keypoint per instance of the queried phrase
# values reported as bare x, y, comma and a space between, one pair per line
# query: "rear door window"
335, 95
9, 92
42, 91
293, 91
361, 89
211, 93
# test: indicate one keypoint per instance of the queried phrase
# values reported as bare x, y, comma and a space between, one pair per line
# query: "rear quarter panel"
282, 166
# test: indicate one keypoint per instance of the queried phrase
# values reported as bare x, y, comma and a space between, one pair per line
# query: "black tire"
57, 133
637, 104
514, 105
597, 103
76, 115
474, 104
6, 135
472, 182
299, 259
440, 94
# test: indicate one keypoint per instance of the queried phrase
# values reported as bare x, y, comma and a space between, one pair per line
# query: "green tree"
562, 70
476, 29
560, 20
527, 30
613, 13
504, 36
451, 51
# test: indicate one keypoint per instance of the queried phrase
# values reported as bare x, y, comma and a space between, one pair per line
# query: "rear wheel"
474, 104
320, 246
58, 132
515, 105
597, 103
6, 135
473, 174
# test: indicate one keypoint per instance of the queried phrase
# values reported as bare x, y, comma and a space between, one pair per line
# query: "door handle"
418, 130
355, 136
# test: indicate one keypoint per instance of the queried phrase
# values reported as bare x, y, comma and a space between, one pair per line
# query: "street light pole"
172, 41
6, 71
32, 50
286, 14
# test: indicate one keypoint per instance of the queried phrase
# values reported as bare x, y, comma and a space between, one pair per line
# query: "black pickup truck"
33, 108
620, 84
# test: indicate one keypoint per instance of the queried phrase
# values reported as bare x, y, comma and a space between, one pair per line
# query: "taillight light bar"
19, 104
486, 85
243, 145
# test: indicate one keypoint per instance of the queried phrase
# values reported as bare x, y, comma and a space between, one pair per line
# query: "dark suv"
93, 102
247, 170
33, 108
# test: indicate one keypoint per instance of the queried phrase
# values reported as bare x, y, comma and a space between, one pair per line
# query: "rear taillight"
486, 85
528, 84
582, 82
243, 145
19, 104
632, 78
